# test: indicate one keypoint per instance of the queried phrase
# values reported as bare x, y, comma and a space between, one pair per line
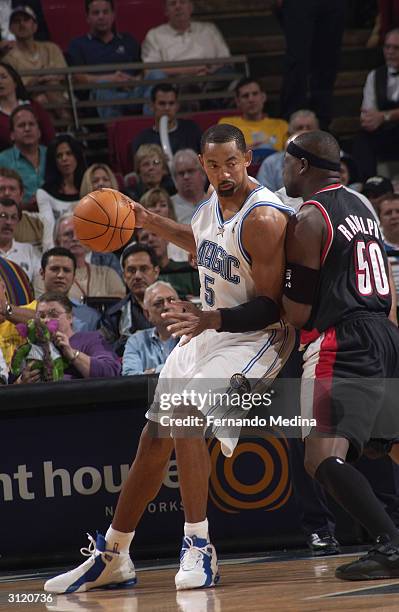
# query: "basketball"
104, 220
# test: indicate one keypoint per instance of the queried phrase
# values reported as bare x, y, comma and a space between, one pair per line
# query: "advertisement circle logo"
269, 485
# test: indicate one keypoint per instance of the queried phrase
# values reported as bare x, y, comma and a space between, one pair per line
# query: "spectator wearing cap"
183, 133
29, 54
102, 45
7, 38
147, 350
21, 253
379, 116
376, 188
27, 156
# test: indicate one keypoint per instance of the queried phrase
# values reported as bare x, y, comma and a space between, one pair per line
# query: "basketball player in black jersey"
337, 291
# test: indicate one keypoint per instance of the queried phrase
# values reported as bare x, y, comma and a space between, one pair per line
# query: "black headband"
314, 160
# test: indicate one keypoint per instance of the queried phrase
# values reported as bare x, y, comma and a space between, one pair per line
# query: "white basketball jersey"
223, 264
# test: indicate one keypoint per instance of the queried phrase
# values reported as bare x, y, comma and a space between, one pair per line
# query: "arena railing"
85, 127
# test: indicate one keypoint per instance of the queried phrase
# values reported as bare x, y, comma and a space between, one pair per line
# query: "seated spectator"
151, 168
90, 280
182, 276
21, 253
65, 166
183, 133
159, 201
376, 188
30, 226
270, 172
29, 54
6, 8
263, 134
147, 350
27, 156
102, 45
12, 95
379, 115
15, 289
389, 219
190, 180
58, 267
140, 269
184, 39
86, 353
96, 177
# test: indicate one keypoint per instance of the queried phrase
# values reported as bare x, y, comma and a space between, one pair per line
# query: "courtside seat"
121, 132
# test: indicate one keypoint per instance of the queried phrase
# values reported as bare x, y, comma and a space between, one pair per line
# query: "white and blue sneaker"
198, 564
105, 568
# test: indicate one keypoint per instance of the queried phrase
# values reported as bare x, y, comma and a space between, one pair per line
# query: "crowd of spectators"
108, 306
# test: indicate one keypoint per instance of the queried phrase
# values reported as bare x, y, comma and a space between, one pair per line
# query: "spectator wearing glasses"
379, 116
147, 350
86, 353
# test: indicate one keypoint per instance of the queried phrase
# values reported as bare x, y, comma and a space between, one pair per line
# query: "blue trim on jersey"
270, 368
219, 214
282, 207
259, 354
199, 206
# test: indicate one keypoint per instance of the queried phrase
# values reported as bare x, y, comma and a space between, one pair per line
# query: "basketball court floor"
280, 581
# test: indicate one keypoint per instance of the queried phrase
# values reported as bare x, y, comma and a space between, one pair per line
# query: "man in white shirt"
21, 253
189, 179
379, 116
183, 39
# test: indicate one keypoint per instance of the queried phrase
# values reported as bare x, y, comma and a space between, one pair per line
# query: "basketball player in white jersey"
238, 237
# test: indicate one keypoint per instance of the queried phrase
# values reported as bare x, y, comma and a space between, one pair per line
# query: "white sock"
118, 540
198, 529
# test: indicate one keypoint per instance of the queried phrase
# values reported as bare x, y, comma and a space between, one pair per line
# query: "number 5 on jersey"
209, 292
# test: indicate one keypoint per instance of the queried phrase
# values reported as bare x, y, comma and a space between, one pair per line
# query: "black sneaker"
321, 544
381, 562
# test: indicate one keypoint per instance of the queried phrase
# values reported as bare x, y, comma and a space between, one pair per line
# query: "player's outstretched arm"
303, 247
178, 233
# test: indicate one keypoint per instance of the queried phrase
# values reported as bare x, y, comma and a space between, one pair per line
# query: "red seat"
122, 131
66, 19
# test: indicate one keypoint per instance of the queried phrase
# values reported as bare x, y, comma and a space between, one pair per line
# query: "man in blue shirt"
147, 350
27, 156
101, 45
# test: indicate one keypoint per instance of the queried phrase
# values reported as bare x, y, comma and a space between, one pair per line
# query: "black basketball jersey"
354, 267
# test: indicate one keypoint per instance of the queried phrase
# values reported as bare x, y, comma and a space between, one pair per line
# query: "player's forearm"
178, 233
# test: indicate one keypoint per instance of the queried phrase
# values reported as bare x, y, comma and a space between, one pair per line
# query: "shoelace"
92, 548
193, 554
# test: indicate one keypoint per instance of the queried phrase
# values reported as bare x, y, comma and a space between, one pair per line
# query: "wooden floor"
246, 585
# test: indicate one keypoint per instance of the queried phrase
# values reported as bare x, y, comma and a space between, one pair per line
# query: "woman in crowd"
96, 177
65, 166
158, 201
86, 353
13, 94
151, 168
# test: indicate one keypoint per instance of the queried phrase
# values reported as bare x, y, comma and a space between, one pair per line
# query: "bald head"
319, 143
312, 162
